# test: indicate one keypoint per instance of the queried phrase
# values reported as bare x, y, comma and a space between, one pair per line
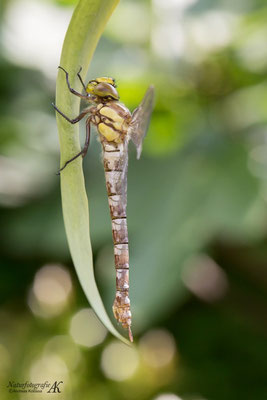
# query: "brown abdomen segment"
117, 206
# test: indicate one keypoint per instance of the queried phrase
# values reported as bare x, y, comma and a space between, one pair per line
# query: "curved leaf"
86, 26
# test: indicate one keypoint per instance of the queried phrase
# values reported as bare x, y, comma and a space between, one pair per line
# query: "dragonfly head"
103, 88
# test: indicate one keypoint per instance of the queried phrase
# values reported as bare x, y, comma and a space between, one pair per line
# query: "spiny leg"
81, 80
83, 152
87, 137
70, 88
74, 120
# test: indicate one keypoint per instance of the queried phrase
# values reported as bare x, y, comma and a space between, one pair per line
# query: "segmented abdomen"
115, 165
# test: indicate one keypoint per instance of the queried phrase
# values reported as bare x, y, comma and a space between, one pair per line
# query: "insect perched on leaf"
116, 126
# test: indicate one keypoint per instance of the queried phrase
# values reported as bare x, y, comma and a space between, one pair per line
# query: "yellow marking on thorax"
118, 121
118, 125
109, 133
110, 113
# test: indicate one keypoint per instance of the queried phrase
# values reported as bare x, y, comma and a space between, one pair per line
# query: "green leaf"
85, 29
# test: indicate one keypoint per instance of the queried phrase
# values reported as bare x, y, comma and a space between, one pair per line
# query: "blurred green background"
196, 206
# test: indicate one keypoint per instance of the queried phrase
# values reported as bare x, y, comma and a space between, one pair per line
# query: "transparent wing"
140, 120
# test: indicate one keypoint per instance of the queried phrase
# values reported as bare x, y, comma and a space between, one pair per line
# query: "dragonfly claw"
63, 69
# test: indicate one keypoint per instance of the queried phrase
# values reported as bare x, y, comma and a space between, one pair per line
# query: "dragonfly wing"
140, 120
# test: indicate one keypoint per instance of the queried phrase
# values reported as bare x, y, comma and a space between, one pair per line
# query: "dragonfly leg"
81, 80
70, 88
87, 138
74, 120
83, 152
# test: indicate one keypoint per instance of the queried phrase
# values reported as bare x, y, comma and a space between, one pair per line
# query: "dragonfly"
116, 125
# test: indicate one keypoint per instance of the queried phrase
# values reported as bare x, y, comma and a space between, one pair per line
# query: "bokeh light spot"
119, 362
50, 368
52, 284
157, 347
203, 277
50, 292
86, 329
22, 46
167, 396
212, 30
172, 4
65, 348
252, 50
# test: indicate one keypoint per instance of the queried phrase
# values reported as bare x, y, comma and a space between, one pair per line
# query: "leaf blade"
85, 29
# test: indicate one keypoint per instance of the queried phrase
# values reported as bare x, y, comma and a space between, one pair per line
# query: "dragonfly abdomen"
114, 174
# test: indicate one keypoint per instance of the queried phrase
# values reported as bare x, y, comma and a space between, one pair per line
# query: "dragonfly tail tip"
130, 334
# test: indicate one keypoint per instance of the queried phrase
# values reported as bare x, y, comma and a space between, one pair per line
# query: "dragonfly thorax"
112, 120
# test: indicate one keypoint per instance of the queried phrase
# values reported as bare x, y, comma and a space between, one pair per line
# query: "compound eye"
106, 90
